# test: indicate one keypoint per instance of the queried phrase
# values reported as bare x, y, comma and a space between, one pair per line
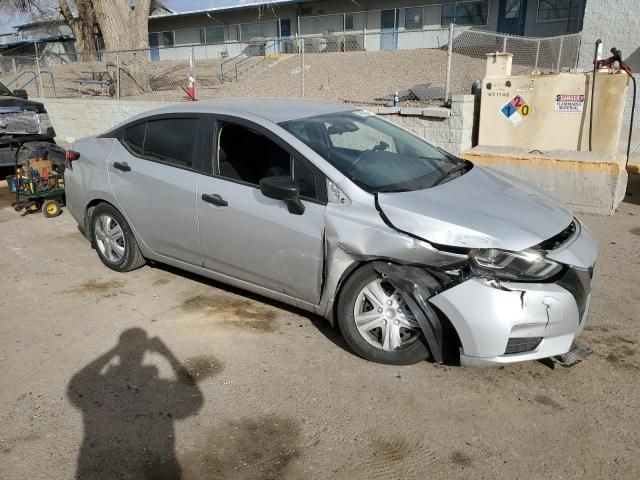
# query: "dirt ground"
266, 391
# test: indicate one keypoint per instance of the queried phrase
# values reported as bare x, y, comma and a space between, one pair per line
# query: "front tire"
114, 241
376, 323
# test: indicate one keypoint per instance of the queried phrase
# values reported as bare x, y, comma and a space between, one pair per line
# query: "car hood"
14, 104
481, 209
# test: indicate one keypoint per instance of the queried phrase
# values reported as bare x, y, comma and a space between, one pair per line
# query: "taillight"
69, 157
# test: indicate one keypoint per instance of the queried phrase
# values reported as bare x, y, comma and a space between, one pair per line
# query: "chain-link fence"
469, 49
381, 67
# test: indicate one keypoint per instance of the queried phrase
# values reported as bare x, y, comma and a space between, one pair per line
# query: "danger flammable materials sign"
569, 103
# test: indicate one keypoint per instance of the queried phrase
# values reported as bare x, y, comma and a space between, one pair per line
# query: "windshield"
375, 154
4, 90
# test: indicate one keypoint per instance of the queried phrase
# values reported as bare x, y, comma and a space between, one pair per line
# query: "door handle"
215, 199
124, 166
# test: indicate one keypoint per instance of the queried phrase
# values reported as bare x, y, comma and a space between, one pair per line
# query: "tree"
124, 27
82, 25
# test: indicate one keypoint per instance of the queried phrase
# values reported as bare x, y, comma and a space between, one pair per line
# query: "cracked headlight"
45, 123
527, 265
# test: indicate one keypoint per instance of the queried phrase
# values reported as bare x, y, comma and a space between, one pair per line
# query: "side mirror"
283, 188
21, 94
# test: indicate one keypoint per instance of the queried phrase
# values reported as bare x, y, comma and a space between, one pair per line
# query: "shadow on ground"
129, 411
633, 190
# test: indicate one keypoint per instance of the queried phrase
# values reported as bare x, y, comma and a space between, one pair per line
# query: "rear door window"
171, 140
134, 138
167, 140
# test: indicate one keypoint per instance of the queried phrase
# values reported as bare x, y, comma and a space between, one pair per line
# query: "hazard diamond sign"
516, 110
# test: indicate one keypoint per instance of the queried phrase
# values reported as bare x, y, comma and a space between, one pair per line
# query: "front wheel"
376, 322
114, 240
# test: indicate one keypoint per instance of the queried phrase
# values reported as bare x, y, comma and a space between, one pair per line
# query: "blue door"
511, 16
388, 29
154, 51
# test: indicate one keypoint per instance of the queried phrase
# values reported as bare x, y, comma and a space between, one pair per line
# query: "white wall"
617, 24
451, 129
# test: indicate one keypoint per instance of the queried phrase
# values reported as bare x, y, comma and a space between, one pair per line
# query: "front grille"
578, 283
558, 240
521, 345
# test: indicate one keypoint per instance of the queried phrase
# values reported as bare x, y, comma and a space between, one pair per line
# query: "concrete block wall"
452, 129
449, 128
74, 119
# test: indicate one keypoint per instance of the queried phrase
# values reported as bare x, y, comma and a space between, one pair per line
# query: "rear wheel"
114, 240
376, 323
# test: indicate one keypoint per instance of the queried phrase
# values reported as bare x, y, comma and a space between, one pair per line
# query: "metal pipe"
633, 111
593, 91
447, 84
39, 82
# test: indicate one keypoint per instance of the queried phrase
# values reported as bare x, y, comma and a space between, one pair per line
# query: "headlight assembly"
44, 121
527, 265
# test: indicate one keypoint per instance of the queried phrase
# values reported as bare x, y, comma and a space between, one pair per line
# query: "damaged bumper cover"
502, 322
486, 317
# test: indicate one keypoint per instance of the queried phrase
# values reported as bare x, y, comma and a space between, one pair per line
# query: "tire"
113, 240
404, 348
51, 208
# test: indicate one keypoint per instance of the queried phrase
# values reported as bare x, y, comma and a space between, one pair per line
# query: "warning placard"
516, 110
569, 103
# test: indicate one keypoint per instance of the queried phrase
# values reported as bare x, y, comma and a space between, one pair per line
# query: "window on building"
348, 21
167, 39
192, 36
465, 13
214, 35
251, 30
413, 18
550, 10
512, 9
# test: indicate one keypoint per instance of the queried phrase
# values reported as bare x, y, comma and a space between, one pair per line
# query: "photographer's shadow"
128, 411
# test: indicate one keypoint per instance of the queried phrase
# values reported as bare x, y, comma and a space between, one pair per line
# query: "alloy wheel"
383, 318
110, 238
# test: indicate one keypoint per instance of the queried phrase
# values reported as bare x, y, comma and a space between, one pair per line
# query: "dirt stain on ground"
250, 448
390, 449
549, 402
238, 312
635, 231
161, 281
202, 367
461, 459
95, 287
615, 341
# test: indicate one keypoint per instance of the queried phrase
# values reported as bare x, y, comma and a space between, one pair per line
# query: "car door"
153, 176
251, 237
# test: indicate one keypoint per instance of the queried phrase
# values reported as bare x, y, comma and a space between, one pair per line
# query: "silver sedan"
411, 251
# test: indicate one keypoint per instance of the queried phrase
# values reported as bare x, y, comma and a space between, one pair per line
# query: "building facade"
285, 19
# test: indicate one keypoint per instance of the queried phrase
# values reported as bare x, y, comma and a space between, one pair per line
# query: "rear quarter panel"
87, 178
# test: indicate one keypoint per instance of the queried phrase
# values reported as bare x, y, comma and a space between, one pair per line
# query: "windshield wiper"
450, 174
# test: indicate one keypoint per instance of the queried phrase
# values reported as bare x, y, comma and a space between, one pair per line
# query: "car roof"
273, 109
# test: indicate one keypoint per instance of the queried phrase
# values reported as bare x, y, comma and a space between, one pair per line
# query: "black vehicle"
21, 119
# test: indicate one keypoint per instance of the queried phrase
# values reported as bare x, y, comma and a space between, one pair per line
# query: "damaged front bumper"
493, 319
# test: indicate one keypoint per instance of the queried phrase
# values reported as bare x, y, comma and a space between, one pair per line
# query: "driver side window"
248, 156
